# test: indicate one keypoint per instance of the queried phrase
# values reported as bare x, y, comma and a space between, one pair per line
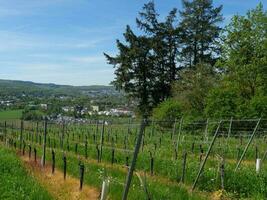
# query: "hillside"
19, 88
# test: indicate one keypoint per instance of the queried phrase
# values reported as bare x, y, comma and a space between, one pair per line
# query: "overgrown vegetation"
212, 71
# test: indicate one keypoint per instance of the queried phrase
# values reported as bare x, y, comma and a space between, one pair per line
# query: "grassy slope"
10, 114
15, 183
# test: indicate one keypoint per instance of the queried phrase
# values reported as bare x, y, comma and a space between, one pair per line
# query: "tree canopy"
189, 58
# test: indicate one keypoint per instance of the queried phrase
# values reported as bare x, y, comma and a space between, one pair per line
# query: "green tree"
245, 53
193, 87
134, 69
243, 90
200, 32
165, 44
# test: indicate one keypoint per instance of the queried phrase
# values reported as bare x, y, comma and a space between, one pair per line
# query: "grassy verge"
15, 182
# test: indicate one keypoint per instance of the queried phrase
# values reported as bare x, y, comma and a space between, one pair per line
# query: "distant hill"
19, 88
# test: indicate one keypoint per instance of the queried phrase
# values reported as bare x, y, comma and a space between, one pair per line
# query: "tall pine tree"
200, 32
134, 69
164, 37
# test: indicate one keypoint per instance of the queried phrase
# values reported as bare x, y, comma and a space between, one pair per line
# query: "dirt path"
55, 184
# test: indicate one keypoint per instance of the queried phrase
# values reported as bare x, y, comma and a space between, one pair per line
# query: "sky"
62, 41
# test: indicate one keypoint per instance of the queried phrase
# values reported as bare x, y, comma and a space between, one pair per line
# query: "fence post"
127, 161
23, 148
249, 142
81, 175
35, 154
135, 155
151, 164
112, 156
30, 151
44, 145
222, 174
64, 165
207, 155
53, 162
76, 148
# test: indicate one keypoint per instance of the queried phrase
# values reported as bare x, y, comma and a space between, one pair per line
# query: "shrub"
167, 112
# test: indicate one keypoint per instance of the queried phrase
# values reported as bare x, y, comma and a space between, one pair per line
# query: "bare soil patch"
55, 184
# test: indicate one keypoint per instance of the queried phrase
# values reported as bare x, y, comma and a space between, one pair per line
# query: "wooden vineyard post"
23, 148
135, 155
98, 153
44, 144
112, 156
222, 172
53, 161
76, 148
35, 154
81, 175
64, 165
151, 164
249, 142
207, 155
30, 151
127, 160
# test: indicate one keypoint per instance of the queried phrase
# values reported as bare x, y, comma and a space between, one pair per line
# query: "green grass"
10, 114
15, 182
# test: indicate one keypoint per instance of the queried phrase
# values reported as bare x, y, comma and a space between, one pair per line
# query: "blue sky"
62, 41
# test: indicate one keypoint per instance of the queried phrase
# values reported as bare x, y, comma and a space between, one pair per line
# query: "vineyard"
181, 159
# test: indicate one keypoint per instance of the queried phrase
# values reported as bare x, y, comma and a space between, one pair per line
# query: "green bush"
167, 112
221, 102
258, 106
